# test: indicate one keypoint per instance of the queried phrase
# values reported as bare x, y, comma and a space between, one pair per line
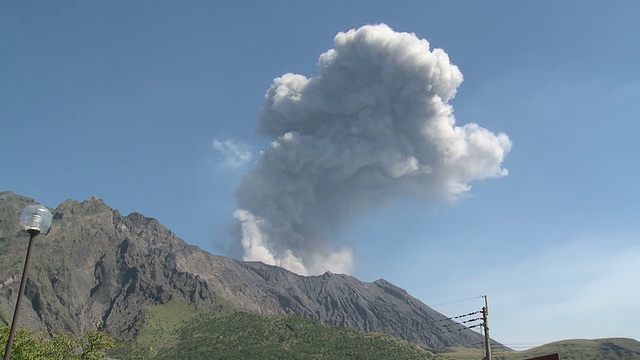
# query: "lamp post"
35, 219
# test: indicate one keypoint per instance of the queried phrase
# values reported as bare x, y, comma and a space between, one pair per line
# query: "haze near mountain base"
373, 125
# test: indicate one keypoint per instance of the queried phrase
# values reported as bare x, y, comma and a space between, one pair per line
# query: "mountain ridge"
97, 266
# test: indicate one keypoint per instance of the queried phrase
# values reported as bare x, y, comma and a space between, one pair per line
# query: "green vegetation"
601, 349
243, 335
177, 330
27, 346
159, 330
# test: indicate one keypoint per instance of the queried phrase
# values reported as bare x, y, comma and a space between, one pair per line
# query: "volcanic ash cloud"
375, 124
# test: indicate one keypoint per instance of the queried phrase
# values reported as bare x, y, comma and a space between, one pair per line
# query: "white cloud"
235, 153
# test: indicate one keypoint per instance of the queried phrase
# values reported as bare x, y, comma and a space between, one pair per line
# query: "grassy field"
161, 323
600, 349
242, 335
178, 331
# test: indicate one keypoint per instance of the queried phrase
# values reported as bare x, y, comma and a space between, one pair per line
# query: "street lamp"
35, 219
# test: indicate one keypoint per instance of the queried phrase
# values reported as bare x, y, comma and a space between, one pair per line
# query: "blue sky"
125, 101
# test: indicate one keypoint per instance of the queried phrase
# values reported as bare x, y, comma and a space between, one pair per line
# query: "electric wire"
463, 322
465, 328
457, 301
461, 316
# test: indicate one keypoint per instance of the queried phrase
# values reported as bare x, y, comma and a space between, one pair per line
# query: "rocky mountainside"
97, 266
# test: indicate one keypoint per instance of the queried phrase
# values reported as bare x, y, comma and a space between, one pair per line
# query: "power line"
456, 301
464, 328
461, 316
468, 321
484, 323
463, 322
522, 346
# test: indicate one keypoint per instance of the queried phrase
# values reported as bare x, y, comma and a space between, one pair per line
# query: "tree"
28, 346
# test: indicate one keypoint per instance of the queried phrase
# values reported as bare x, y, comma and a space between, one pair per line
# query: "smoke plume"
373, 125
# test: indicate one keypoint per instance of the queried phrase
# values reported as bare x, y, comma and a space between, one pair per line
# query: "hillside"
97, 266
178, 331
598, 349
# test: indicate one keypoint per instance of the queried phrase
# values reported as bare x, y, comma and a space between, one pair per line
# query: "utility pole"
485, 318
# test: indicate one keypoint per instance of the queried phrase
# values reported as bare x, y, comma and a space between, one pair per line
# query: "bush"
28, 346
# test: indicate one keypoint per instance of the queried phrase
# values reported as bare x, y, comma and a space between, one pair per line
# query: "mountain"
96, 266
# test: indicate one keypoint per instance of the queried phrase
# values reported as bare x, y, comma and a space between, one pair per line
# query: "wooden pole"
487, 339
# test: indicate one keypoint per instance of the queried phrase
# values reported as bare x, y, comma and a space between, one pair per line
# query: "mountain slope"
243, 335
97, 266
